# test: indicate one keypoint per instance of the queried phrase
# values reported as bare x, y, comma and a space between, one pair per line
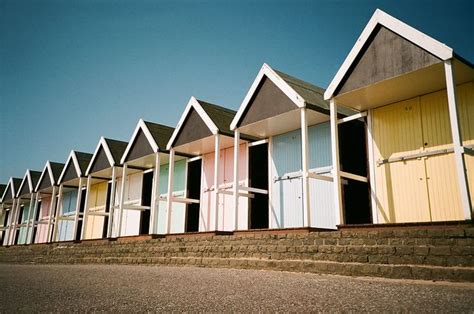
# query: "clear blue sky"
71, 71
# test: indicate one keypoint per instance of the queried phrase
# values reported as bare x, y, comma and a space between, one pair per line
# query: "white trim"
267, 71
193, 159
193, 103
102, 143
335, 162
140, 125
72, 156
260, 142
305, 168
51, 177
426, 42
235, 189
372, 179
352, 176
353, 117
457, 141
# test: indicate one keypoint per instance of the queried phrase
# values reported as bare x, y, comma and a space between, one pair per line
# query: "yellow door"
443, 186
96, 203
401, 192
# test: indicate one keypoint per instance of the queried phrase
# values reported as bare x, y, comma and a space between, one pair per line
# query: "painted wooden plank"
96, 203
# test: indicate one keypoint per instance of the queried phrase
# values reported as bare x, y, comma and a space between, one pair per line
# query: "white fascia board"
426, 42
192, 103
102, 143
267, 71
140, 125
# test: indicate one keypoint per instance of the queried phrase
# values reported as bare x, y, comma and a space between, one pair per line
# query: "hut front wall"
178, 211
96, 203
287, 185
66, 227
421, 189
42, 229
132, 196
226, 177
24, 219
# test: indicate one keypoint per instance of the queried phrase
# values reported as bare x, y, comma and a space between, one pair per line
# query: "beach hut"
102, 173
289, 168
203, 132
25, 201
71, 197
142, 197
418, 98
2, 212
46, 202
9, 207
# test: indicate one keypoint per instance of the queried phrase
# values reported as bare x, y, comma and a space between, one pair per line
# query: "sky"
72, 71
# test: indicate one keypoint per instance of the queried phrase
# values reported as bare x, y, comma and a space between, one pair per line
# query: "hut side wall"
132, 196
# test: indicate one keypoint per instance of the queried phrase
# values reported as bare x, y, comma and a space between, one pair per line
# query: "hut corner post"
59, 213
155, 195
217, 155
457, 141
30, 209
52, 208
236, 178
335, 162
121, 198
110, 221
169, 201
304, 166
31, 234
78, 209
86, 208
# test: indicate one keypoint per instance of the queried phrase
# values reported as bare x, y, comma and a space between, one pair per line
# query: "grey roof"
117, 148
160, 133
16, 184
312, 94
222, 117
83, 159
57, 168
3, 187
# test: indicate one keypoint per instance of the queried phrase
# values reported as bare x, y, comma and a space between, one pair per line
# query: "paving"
65, 288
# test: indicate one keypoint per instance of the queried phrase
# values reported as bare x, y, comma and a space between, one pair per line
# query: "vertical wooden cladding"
96, 203
132, 196
23, 219
178, 210
66, 227
426, 188
42, 229
226, 177
287, 206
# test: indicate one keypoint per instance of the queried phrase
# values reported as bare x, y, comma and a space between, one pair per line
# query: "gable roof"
54, 170
80, 162
157, 136
11, 188
30, 179
216, 118
301, 93
379, 17
113, 149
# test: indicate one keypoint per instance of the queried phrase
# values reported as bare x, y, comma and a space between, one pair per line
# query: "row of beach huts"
389, 141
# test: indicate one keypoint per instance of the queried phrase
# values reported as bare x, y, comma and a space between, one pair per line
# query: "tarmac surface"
65, 288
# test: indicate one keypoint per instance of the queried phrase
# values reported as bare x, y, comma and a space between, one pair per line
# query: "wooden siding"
96, 203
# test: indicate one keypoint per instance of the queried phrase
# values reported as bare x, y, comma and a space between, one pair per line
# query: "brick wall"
420, 252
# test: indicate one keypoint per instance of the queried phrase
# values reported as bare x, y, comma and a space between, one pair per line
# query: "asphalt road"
67, 288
